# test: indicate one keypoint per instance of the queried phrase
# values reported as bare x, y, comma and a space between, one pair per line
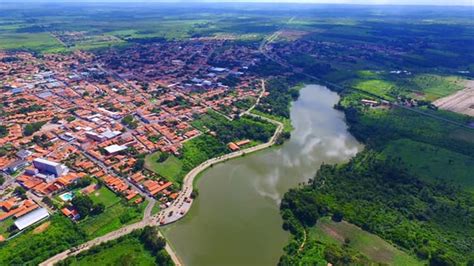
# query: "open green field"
372, 246
378, 87
194, 152
38, 42
42, 42
127, 251
434, 163
113, 217
105, 196
169, 169
435, 86
94, 28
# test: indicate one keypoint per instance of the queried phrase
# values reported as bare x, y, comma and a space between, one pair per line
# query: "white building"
50, 167
31, 218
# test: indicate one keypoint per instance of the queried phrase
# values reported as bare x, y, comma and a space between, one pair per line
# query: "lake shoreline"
256, 186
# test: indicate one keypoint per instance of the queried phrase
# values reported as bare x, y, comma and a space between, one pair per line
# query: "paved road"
151, 221
110, 171
175, 211
178, 208
182, 204
257, 101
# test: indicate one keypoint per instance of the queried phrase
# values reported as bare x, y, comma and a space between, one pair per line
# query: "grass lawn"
105, 196
368, 244
375, 86
111, 219
129, 251
432, 163
169, 169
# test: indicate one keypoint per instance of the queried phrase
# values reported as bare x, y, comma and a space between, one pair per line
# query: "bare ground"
41, 228
460, 102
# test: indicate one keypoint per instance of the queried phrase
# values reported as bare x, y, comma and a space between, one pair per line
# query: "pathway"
183, 202
178, 208
147, 221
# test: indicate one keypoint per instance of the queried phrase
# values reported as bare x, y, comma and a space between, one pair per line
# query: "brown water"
235, 220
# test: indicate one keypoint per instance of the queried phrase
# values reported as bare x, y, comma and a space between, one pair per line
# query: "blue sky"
373, 2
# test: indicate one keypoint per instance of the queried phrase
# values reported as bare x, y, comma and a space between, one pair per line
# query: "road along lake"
235, 220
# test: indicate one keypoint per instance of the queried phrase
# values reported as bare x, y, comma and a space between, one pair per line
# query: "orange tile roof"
160, 188
232, 146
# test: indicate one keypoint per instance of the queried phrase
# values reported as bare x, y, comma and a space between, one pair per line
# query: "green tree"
3, 131
83, 205
20, 192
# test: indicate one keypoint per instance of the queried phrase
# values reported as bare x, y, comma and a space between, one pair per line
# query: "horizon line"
303, 2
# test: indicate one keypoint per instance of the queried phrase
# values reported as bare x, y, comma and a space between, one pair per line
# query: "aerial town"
67, 118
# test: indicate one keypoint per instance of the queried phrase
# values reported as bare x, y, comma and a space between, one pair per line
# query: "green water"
235, 220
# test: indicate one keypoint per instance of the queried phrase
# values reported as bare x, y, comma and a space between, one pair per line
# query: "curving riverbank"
237, 211
236, 220
181, 206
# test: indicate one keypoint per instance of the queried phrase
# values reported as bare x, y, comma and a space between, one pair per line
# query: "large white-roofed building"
31, 218
50, 167
115, 148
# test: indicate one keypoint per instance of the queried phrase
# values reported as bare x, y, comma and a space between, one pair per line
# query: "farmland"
66, 28
460, 102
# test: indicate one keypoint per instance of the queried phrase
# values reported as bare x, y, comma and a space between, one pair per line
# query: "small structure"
89, 189
16, 165
242, 142
71, 213
23, 154
31, 218
233, 147
370, 103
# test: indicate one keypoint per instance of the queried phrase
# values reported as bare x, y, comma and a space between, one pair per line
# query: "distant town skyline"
360, 2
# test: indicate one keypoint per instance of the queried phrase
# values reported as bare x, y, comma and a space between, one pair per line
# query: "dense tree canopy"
380, 196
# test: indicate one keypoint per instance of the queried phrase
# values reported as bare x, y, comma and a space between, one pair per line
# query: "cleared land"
42, 227
460, 102
374, 247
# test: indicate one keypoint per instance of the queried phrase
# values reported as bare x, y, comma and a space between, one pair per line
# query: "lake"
235, 220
